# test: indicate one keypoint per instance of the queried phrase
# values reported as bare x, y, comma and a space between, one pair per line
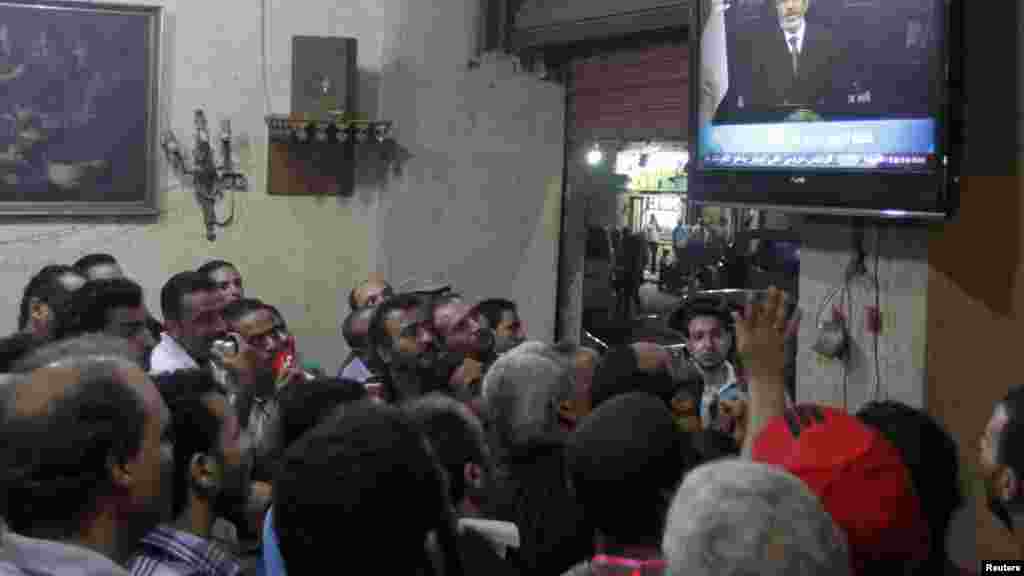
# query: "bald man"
356, 330
84, 460
370, 292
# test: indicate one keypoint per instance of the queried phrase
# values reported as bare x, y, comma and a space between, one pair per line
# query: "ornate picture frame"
79, 101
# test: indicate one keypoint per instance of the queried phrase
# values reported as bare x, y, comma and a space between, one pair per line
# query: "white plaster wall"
477, 202
903, 279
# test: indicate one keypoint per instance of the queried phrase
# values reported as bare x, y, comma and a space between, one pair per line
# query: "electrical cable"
877, 320
264, 22
845, 303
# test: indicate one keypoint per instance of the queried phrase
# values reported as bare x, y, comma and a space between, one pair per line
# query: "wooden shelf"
316, 156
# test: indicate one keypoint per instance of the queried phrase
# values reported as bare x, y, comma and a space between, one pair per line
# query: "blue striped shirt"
166, 551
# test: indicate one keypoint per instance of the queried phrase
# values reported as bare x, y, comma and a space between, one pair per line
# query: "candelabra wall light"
210, 180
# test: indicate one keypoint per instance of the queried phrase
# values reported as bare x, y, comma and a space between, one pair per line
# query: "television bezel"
864, 193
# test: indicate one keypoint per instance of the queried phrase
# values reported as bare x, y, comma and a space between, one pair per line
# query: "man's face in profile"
412, 339
791, 13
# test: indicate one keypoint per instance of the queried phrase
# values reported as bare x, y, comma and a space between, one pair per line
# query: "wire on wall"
264, 57
878, 319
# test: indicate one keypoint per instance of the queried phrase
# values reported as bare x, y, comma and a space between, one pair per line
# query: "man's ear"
120, 473
39, 311
205, 473
473, 474
1008, 484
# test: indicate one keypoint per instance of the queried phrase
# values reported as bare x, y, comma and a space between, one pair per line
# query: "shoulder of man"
581, 569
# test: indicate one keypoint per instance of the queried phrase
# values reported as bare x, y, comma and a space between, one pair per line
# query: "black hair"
706, 306
552, 526
55, 464
96, 298
378, 334
455, 433
300, 407
46, 287
196, 429
277, 315
172, 295
235, 311
493, 308
372, 470
303, 405
628, 445
13, 348
89, 261
931, 456
619, 373
214, 265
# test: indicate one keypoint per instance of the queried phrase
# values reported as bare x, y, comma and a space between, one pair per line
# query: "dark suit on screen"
774, 84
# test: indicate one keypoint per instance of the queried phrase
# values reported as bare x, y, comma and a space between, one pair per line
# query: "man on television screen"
794, 61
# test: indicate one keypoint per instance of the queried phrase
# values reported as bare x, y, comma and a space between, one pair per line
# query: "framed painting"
79, 122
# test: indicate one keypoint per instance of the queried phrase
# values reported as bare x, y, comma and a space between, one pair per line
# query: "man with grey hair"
522, 393
583, 362
84, 460
735, 517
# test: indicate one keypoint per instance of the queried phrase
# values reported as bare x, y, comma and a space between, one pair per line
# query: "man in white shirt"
192, 308
794, 63
653, 233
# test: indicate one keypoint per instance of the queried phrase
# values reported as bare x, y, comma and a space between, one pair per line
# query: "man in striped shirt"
212, 465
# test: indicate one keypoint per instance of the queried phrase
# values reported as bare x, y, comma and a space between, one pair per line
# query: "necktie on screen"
794, 50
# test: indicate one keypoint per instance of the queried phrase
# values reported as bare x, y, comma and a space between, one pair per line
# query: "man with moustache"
460, 330
710, 343
794, 61
403, 350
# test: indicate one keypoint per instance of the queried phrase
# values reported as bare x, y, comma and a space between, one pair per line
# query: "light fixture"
595, 156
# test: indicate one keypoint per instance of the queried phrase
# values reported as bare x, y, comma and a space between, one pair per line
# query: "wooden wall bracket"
316, 156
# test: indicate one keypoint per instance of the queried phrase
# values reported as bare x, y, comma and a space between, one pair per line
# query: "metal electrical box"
325, 75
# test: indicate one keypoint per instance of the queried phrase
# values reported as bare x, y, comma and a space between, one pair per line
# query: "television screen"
798, 90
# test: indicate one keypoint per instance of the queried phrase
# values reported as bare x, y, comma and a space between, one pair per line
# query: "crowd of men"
448, 444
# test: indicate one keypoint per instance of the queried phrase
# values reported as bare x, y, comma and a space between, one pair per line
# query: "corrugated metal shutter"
634, 95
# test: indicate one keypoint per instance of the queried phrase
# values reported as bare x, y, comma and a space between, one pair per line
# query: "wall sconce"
210, 180
595, 156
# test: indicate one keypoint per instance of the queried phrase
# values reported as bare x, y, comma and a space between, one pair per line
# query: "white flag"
714, 61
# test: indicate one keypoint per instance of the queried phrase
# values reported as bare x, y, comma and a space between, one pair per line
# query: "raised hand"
762, 330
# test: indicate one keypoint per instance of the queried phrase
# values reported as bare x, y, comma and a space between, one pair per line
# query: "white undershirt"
799, 34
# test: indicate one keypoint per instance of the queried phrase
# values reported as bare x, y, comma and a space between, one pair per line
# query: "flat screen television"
846, 107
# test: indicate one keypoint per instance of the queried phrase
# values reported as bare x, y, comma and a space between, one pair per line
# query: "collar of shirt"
166, 550
23, 555
169, 356
799, 34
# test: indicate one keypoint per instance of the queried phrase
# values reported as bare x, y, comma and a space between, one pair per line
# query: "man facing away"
85, 456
